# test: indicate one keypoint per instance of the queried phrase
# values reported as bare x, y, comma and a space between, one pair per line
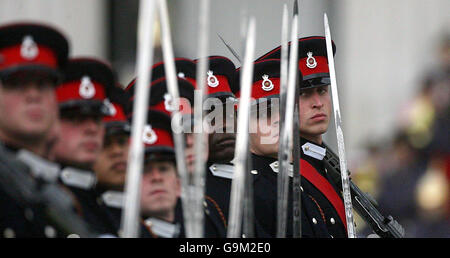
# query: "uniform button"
331, 236
9, 233
99, 201
205, 204
301, 188
307, 148
332, 221
275, 164
73, 236
207, 211
65, 174
214, 168
314, 220
49, 232
243, 236
254, 172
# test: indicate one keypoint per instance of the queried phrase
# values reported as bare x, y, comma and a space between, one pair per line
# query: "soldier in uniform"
31, 59
315, 114
161, 106
160, 184
81, 97
220, 115
110, 166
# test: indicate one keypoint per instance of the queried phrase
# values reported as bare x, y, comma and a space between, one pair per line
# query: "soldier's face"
111, 164
315, 111
160, 189
28, 108
81, 139
223, 138
264, 132
190, 153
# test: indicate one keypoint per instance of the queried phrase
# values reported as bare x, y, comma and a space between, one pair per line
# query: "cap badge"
168, 102
267, 84
212, 79
29, 50
87, 89
149, 136
311, 61
111, 109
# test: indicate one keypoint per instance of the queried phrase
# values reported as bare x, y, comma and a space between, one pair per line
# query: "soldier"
222, 137
315, 114
110, 166
264, 130
161, 107
160, 185
81, 98
31, 59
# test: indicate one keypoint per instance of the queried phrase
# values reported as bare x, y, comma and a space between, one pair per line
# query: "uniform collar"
78, 178
222, 170
275, 168
163, 228
313, 150
39, 167
113, 199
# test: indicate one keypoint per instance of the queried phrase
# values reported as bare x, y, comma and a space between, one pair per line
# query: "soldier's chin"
224, 155
86, 160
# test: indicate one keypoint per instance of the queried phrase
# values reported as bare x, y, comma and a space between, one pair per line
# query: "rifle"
364, 204
57, 205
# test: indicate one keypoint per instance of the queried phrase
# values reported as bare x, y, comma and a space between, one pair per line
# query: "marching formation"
66, 135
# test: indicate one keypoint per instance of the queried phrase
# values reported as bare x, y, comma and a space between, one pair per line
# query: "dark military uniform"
88, 200
219, 177
32, 204
215, 224
322, 209
265, 201
320, 187
87, 82
28, 191
114, 200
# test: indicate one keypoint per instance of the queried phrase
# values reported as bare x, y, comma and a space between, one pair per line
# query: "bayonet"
233, 52
131, 212
340, 135
283, 157
242, 149
296, 181
199, 136
172, 87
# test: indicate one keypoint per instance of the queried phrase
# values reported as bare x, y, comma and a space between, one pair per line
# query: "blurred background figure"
410, 177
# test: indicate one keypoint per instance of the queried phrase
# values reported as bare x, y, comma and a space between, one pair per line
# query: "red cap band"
258, 88
118, 114
40, 55
163, 139
321, 67
76, 91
